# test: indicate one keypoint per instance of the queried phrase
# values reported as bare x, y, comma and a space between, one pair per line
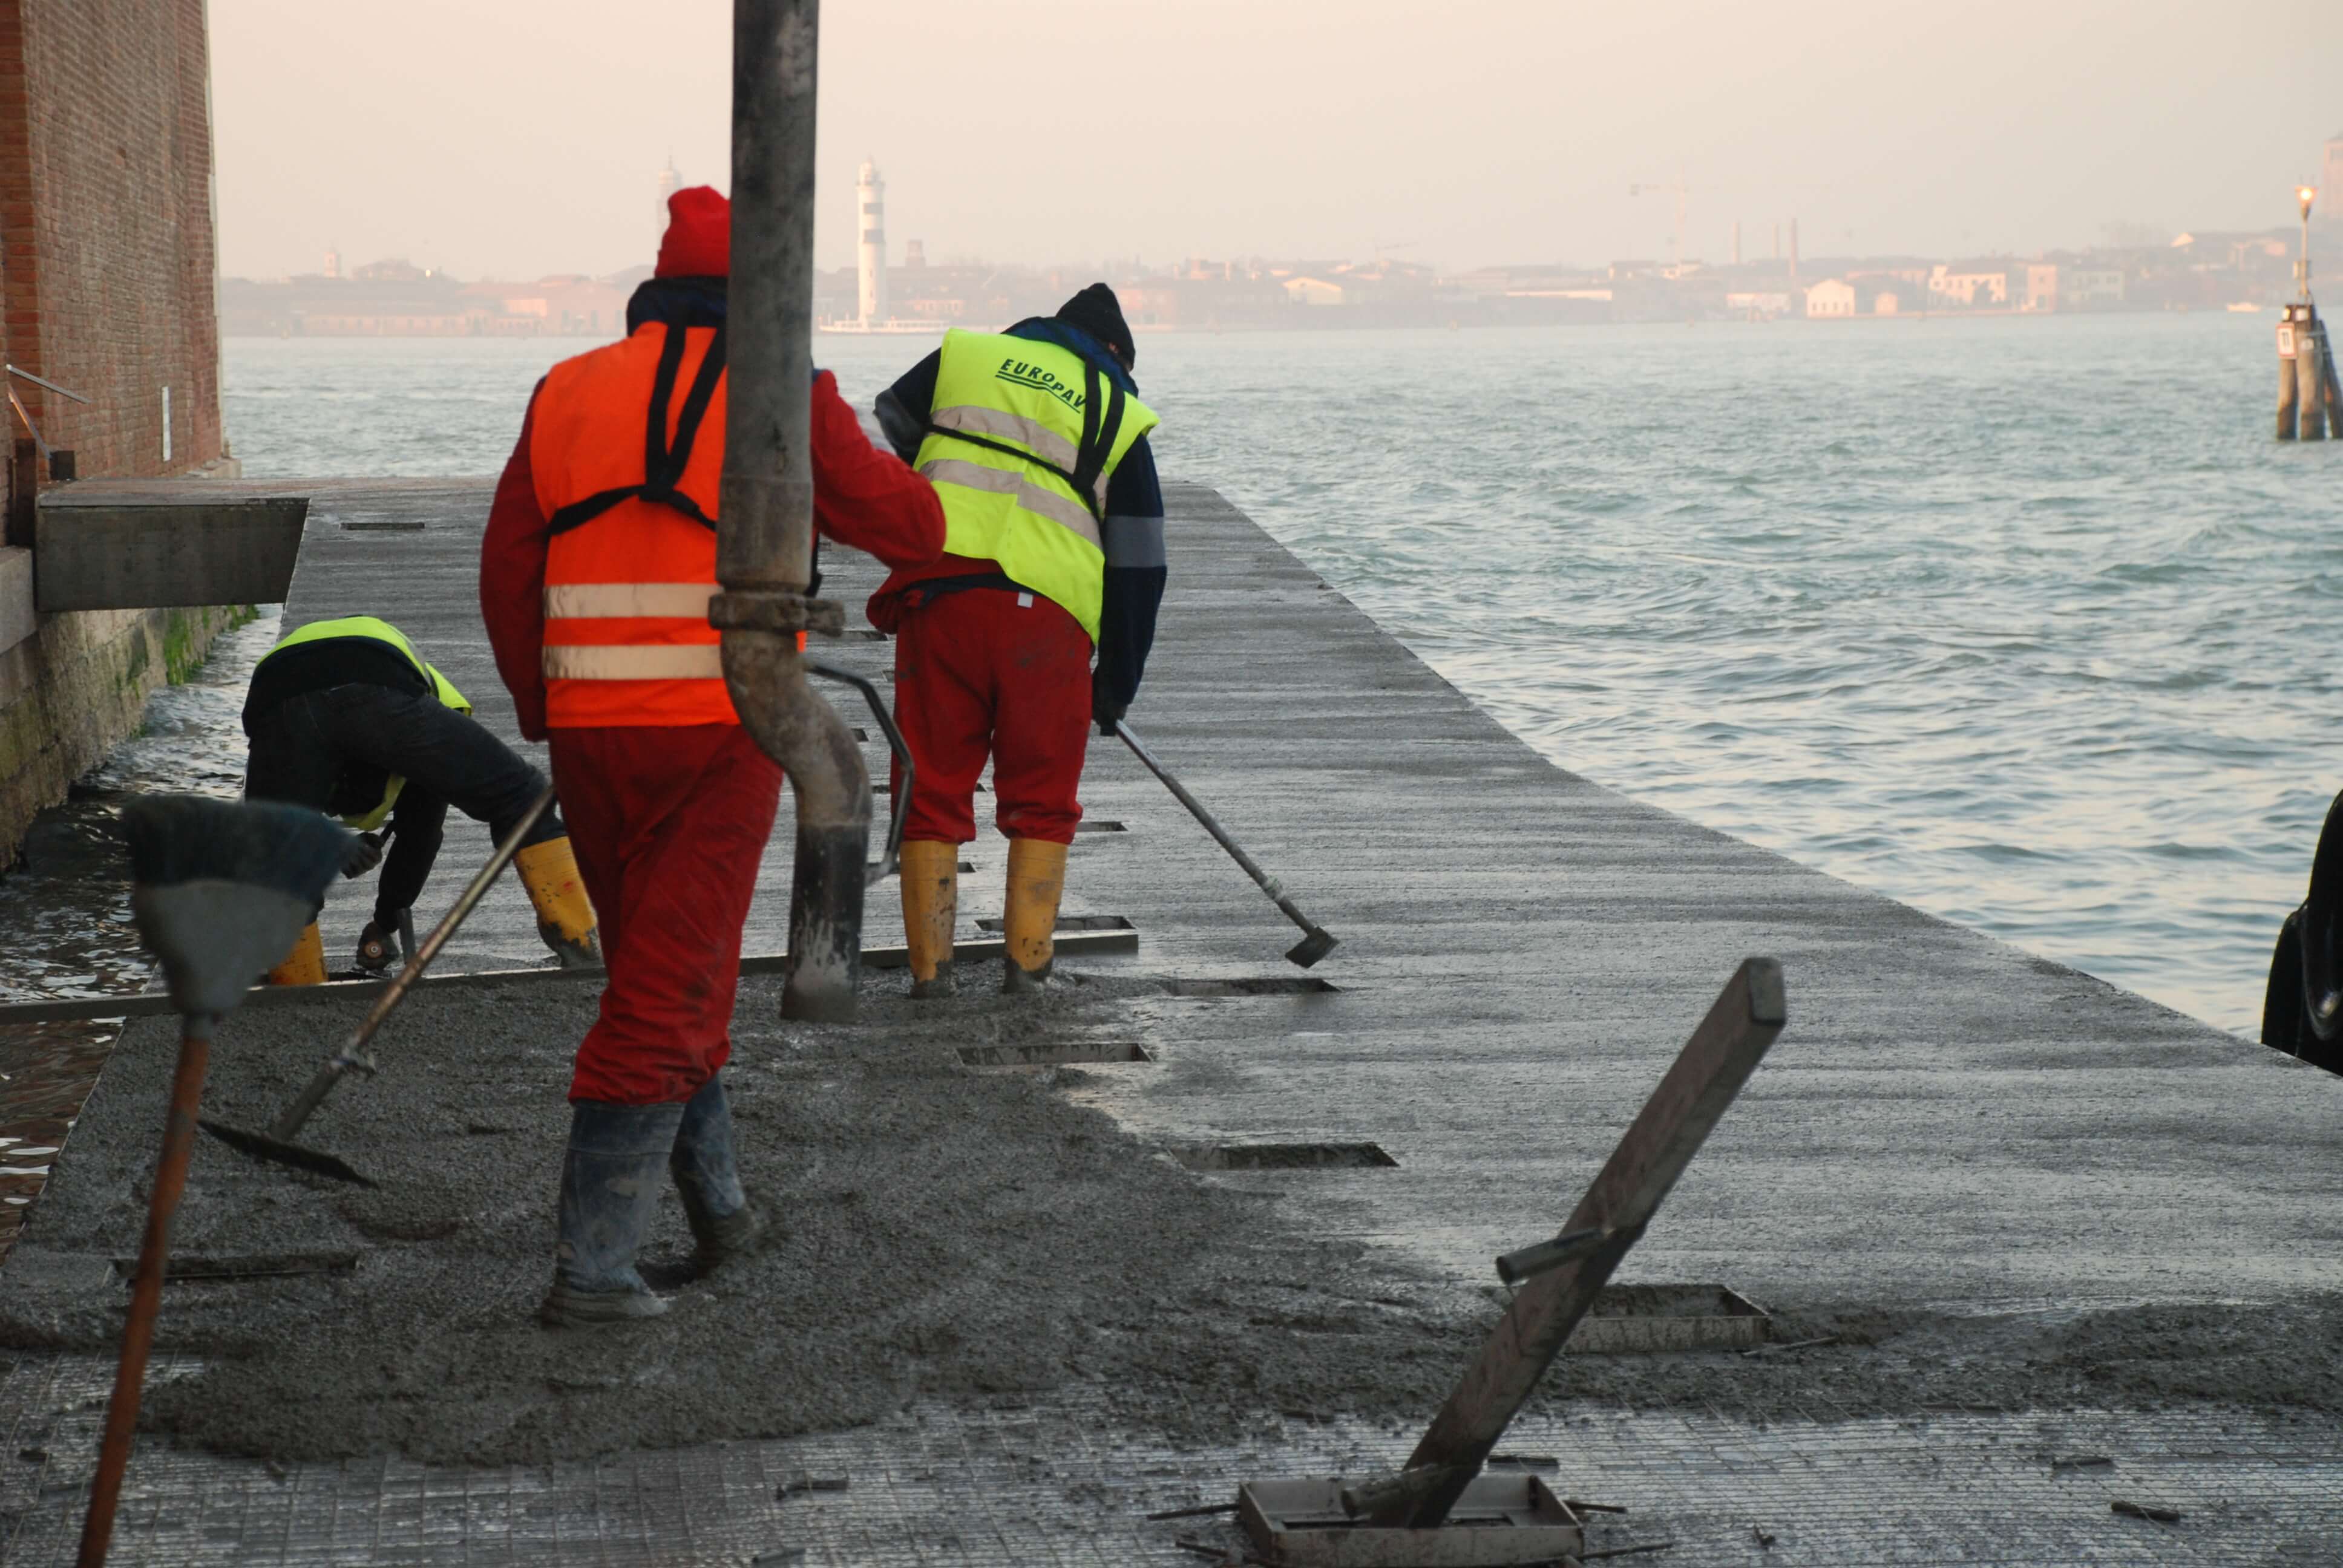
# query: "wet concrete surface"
2005, 1188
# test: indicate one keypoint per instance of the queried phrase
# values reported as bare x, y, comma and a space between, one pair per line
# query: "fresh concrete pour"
950, 1233
2001, 1184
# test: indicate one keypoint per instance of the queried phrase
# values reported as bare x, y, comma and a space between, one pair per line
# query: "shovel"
276, 1144
219, 891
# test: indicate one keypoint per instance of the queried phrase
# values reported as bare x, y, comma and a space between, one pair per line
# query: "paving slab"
2047, 1216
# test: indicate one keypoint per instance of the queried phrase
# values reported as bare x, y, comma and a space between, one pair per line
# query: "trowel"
276, 1144
1316, 941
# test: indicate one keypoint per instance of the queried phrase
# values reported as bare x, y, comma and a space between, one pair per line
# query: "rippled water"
64, 909
2026, 622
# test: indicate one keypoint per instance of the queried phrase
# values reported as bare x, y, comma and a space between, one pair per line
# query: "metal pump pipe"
764, 550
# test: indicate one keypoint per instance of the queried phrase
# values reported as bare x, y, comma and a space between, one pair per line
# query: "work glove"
1105, 709
364, 854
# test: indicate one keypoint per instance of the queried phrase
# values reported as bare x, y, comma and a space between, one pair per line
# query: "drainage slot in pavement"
1637, 1320
1087, 827
1258, 985
251, 1266
1052, 1055
1284, 1157
1074, 923
382, 525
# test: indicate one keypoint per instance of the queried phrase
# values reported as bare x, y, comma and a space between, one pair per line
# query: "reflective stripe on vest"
1022, 440
604, 601
629, 482
694, 661
375, 630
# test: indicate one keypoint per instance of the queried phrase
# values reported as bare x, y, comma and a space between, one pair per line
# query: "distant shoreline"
1159, 328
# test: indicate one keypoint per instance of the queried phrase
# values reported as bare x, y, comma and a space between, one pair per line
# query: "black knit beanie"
1097, 312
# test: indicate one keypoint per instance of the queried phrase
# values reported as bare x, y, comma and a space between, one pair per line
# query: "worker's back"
626, 449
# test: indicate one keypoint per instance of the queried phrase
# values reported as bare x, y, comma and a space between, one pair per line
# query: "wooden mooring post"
2305, 373
2310, 377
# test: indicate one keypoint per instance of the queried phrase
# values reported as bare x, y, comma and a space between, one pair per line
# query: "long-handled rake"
219, 891
276, 1144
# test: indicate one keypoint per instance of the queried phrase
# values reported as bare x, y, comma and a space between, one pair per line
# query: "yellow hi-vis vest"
1023, 438
376, 630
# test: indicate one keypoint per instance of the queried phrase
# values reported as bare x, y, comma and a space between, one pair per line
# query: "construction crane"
1677, 191
1388, 245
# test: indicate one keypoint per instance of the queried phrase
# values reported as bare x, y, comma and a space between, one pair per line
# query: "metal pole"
764, 551
146, 1287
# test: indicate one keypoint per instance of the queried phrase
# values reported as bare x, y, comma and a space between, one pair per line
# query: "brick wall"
107, 251
107, 262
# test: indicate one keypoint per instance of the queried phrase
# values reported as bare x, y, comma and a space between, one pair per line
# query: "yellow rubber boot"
930, 913
565, 915
306, 964
1037, 880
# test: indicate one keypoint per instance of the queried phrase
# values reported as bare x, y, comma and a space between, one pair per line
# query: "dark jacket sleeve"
512, 582
1135, 573
865, 498
903, 409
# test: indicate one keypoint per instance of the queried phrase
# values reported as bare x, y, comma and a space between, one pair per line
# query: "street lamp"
2305, 195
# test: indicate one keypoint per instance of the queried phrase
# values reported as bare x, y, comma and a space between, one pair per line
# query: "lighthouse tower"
669, 181
871, 194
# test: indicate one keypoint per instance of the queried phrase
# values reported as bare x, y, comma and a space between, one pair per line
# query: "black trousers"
333, 750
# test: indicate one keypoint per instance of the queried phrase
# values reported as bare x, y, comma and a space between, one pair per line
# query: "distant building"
333, 262
1831, 296
2041, 286
2085, 287
398, 269
870, 255
1312, 291
1891, 296
1869, 293
1758, 305
1971, 283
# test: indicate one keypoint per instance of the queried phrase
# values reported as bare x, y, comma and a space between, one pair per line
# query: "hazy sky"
518, 137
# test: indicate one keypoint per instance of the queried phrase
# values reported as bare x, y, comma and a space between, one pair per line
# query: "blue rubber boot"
609, 1191
725, 1224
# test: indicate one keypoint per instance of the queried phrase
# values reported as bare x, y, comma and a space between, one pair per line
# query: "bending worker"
595, 577
345, 717
1036, 441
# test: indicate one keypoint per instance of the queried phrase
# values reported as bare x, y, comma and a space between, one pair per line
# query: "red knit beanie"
698, 241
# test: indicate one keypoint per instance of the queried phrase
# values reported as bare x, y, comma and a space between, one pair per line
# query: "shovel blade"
1312, 948
277, 1152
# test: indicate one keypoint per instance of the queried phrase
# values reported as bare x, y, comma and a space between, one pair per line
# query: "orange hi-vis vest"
626, 471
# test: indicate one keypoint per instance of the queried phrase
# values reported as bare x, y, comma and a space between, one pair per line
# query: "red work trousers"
992, 672
668, 825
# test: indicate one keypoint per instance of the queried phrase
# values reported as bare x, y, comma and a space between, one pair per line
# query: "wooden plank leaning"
1681, 1113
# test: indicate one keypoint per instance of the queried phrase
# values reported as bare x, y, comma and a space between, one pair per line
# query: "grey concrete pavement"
1948, 1128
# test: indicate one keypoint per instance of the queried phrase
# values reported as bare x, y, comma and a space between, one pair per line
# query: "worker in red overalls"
1036, 444
596, 572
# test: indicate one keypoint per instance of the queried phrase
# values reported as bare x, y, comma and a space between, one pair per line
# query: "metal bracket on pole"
776, 611
1414, 1519
890, 859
